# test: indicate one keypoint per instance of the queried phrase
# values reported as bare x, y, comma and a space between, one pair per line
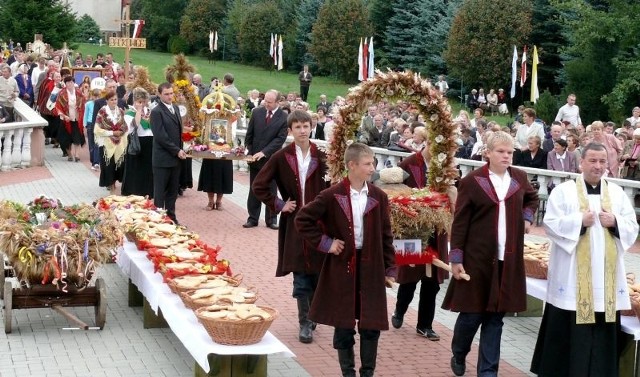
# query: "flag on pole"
271, 46
215, 41
523, 70
137, 28
280, 65
275, 49
360, 76
514, 71
365, 60
371, 55
211, 41
534, 75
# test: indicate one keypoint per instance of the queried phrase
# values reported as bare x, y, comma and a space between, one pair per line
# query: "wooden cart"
48, 296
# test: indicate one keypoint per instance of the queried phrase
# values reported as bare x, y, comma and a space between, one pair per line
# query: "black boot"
306, 332
368, 355
347, 362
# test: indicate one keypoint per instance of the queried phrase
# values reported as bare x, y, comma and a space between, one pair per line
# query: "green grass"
246, 77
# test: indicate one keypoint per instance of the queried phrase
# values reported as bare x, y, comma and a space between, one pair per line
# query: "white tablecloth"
538, 289
182, 320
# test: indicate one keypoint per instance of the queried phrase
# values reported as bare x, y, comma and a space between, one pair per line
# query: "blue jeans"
490, 334
94, 152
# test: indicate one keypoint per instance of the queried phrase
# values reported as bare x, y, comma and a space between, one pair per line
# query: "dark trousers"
165, 189
466, 328
254, 206
304, 285
344, 338
427, 304
304, 92
94, 156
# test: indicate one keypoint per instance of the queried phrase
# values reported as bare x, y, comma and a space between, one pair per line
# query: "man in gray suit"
166, 125
266, 133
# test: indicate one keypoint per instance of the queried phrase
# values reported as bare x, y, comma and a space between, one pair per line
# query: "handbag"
133, 146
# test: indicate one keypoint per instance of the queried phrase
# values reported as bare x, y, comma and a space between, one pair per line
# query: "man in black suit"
266, 133
323, 103
166, 125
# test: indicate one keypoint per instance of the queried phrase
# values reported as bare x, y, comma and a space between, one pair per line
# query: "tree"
417, 32
307, 16
162, 20
380, 14
335, 50
549, 35
199, 18
254, 32
481, 40
236, 14
22, 19
87, 28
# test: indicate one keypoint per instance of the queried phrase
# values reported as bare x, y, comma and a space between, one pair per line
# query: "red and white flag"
523, 69
137, 28
365, 60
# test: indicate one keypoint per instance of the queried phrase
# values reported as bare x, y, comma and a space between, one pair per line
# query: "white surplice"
563, 222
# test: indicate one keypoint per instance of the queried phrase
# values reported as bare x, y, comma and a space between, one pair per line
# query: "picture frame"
218, 134
80, 74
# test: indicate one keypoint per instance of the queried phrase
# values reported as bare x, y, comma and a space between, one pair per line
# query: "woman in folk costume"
111, 136
49, 87
70, 109
138, 175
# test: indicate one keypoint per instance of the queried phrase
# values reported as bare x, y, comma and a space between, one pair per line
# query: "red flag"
137, 29
523, 69
365, 60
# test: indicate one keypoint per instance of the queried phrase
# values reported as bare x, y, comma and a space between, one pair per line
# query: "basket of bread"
536, 259
634, 297
236, 324
198, 298
191, 282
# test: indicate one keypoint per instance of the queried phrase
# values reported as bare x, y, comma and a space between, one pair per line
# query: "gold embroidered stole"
585, 310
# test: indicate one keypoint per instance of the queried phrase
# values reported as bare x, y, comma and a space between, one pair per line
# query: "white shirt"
501, 185
569, 113
524, 132
170, 107
303, 168
358, 204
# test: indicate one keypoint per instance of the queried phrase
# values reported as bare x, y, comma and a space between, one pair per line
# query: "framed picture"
82, 75
217, 134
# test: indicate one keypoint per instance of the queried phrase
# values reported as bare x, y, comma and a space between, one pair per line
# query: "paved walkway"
41, 346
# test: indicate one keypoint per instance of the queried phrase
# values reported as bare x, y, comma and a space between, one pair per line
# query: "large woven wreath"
419, 93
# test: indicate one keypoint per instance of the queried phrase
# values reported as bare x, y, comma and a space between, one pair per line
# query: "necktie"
269, 113
173, 112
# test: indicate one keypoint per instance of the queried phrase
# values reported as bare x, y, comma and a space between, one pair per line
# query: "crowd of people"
346, 262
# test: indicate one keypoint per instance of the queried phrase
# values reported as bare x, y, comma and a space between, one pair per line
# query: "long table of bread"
182, 320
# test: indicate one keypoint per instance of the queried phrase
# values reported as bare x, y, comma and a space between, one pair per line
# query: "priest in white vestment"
591, 223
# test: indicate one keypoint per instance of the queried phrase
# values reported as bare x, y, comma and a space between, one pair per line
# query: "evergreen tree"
236, 14
548, 34
381, 12
335, 48
162, 20
401, 49
87, 28
254, 33
307, 16
22, 19
200, 17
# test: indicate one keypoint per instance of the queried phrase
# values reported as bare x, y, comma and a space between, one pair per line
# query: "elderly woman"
560, 159
492, 102
631, 157
138, 175
611, 144
533, 156
111, 137
70, 109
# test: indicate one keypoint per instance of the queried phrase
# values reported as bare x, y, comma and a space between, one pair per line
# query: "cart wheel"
8, 298
2, 278
101, 303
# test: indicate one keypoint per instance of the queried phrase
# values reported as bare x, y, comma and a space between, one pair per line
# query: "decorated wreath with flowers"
418, 93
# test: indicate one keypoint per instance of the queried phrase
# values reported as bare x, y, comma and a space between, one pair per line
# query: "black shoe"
306, 333
180, 192
396, 320
272, 226
429, 334
249, 224
457, 368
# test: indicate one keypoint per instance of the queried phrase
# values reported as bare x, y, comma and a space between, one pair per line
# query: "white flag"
211, 41
271, 47
215, 42
280, 65
514, 72
371, 68
360, 62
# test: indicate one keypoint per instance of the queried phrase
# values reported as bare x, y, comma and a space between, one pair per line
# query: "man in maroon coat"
298, 171
350, 223
494, 209
409, 276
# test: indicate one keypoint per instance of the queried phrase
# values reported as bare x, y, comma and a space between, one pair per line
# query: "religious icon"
218, 131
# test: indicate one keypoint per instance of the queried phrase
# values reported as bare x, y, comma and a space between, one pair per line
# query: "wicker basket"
536, 269
237, 333
130, 236
233, 281
194, 304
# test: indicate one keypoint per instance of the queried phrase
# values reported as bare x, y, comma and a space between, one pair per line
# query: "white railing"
544, 177
19, 148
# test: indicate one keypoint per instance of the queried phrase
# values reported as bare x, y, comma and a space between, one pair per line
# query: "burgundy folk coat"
328, 217
294, 255
415, 166
474, 239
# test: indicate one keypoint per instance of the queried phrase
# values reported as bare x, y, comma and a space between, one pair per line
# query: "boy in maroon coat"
349, 222
298, 171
